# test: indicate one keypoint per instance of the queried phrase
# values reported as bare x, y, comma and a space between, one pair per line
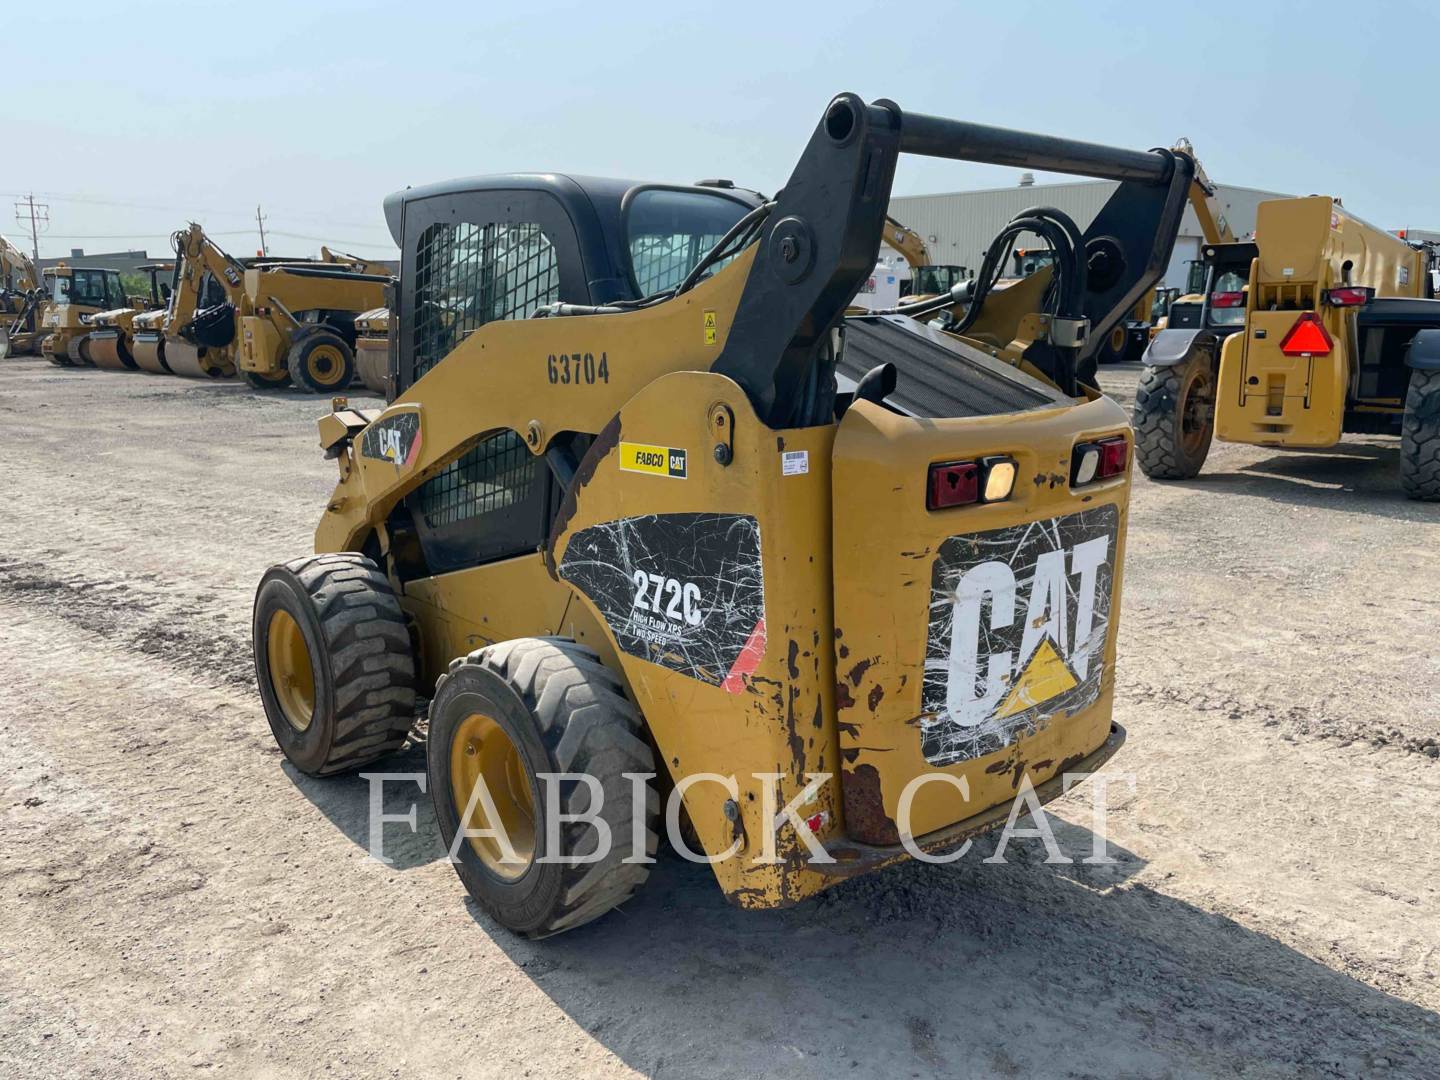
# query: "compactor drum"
372, 350
695, 534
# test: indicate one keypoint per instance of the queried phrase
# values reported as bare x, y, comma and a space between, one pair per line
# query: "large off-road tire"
1420, 438
320, 361
1175, 417
508, 713
334, 662
260, 381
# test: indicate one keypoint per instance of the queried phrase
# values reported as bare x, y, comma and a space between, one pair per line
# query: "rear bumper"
852, 858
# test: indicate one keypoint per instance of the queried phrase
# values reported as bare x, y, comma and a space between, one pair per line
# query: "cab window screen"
468, 275
669, 232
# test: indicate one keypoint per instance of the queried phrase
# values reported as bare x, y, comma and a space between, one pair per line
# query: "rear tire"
261, 381
1174, 418
1420, 438
545, 705
320, 361
334, 663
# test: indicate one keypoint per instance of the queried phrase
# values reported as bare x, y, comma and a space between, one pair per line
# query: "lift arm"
1203, 200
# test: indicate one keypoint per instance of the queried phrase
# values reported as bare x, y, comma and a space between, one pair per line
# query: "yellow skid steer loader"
837, 587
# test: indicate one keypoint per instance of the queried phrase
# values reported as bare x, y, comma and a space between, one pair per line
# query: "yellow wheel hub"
480, 751
1117, 340
326, 363
291, 673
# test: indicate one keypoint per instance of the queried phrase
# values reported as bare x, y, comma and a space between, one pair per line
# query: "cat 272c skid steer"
818, 572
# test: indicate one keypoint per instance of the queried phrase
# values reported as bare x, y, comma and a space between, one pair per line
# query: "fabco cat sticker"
1019, 620
685, 591
395, 439
654, 460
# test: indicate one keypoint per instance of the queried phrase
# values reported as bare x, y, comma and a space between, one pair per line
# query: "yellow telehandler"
845, 584
1324, 325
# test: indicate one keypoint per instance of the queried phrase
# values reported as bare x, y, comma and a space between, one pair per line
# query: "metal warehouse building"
957, 227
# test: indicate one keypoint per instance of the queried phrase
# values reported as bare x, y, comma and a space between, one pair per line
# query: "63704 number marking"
582, 369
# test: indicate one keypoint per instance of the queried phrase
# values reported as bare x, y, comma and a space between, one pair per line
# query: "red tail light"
960, 483
1308, 337
1227, 299
1350, 296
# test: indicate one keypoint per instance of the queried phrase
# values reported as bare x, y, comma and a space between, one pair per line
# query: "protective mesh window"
467, 275
492, 475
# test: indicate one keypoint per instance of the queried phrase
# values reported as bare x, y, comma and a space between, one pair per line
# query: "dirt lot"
177, 903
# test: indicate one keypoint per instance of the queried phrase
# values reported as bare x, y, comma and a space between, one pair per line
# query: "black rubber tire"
1160, 449
297, 360
360, 656
267, 382
1420, 438
565, 712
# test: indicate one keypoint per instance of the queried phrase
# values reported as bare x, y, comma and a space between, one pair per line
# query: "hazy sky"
131, 119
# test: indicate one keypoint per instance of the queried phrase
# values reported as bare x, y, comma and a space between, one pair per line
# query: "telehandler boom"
817, 572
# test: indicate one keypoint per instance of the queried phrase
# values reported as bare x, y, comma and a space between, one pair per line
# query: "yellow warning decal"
712, 328
654, 460
1045, 676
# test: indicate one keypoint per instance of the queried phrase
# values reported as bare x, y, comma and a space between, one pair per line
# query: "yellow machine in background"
112, 333
1325, 325
372, 350
273, 321
22, 299
77, 294
719, 526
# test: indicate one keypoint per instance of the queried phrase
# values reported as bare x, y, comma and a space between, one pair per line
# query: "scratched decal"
1019, 619
395, 439
685, 591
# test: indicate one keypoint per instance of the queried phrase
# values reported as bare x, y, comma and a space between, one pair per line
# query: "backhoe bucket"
149, 354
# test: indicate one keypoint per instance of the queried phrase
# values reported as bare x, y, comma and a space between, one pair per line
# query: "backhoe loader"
275, 322
1324, 325
715, 529
21, 302
111, 343
77, 295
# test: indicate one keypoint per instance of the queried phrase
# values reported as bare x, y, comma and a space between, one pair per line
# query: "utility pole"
37, 213
260, 220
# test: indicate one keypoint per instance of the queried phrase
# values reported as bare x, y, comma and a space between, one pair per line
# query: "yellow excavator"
844, 582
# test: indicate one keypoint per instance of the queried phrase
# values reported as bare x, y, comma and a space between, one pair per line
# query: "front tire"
1420, 438
1174, 417
261, 381
506, 714
334, 662
320, 361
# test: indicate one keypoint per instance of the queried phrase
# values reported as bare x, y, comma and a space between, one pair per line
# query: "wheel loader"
111, 343
273, 321
77, 295
1324, 325
836, 587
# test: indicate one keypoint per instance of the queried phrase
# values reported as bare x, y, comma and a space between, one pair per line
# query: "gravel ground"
179, 903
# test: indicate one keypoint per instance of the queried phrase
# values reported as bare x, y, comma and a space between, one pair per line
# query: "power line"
37, 214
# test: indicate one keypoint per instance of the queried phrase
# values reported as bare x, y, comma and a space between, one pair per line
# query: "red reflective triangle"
1307, 336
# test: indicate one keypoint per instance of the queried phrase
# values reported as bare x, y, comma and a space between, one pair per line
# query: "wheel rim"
482, 750
291, 673
325, 364
1197, 410
1117, 340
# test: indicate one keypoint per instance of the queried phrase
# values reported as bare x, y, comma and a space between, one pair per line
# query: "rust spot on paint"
858, 671
792, 653
843, 700
819, 720
780, 443
876, 693
844, 651
865, 816
852, 730
850, 754
999, 766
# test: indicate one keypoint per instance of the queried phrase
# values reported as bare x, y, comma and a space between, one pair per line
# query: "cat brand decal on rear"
1019, 620
395, 439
